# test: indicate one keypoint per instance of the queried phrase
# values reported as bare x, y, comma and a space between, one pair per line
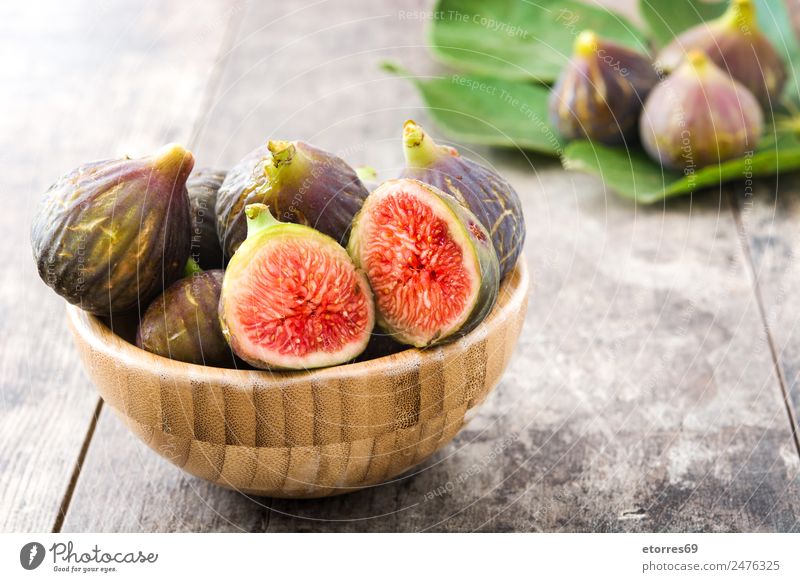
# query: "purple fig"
736, 45
601, 92
699, 116
202, 187
183, 322
299, 183
479, 189
111, 235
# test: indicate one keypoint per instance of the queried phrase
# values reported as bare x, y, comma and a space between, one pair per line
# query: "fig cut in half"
429, 260
292, 298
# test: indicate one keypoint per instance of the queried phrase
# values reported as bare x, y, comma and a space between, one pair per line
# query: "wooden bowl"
303, 434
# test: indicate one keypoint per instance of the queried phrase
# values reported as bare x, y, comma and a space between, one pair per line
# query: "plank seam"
214, 79
787, 401
76, 470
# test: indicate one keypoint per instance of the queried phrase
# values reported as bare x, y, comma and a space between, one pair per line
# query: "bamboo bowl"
303, 434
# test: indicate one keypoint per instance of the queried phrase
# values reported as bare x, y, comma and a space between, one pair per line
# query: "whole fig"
699, 116
299, 183
202, 187
111, 235
736, 45
483, 191
183, 324
601, 91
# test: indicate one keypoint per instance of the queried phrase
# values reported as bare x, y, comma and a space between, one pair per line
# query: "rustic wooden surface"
655, 387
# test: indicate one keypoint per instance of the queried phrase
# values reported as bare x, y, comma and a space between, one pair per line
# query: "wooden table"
657, 383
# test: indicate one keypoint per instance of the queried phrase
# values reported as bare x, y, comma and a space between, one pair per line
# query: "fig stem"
282, 151
171, 158
585, 44
740, 14
697, 59
419, 149
395, 69
367, 173
192, 268
259, 218
285, 155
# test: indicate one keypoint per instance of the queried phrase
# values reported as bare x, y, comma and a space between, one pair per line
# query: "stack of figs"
286, 261
700, 103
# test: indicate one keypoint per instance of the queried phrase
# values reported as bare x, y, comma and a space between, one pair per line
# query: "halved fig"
429, 260
292, 298
487, 194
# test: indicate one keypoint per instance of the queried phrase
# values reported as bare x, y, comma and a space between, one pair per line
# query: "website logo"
31, 555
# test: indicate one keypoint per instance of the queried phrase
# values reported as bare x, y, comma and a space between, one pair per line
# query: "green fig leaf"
666, 19
520, 40
488, 111
776, 24
632, 174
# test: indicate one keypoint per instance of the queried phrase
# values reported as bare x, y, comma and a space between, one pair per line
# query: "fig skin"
475, 235
263, 230
380, 345
699, 116
736, 45
111, 235
202, 187
479, 189
182, 323
299, 183
600, 93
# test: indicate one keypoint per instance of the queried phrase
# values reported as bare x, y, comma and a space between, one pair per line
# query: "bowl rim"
92, 330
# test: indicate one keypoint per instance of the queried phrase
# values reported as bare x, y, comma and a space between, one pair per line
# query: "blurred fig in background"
699, 116
736, 45
601, 91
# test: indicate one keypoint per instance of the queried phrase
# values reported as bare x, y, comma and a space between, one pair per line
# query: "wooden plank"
283, 79
768, 226
80, 81
635, 401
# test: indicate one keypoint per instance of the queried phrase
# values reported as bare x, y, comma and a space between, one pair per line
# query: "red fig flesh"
430, 262
292, 298
479, 189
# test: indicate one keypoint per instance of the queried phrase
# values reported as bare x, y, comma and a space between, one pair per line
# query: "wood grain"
303, 434
636, 401
769, 213
80, 81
